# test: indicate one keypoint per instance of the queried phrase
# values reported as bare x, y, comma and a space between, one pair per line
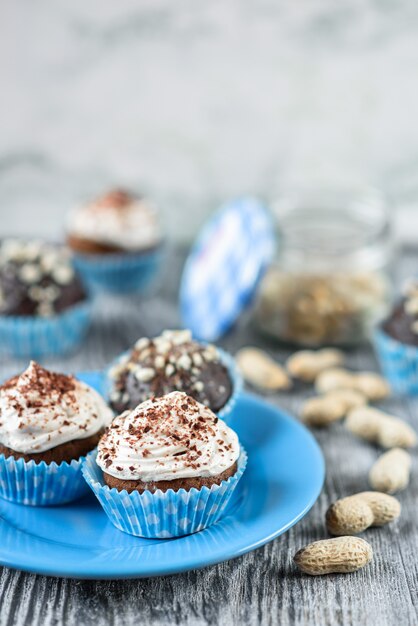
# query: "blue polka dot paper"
162, 515
41, 484
33, 337
399, 363
224, 267
119, 273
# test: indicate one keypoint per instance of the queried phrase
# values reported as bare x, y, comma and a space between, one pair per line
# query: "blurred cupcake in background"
116, 241
44, 308
396, 342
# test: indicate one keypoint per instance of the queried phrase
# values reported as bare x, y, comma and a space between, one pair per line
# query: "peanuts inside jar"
331, 280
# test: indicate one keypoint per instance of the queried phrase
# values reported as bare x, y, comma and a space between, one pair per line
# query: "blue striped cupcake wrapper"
33, 337
119, 273
162, 514
228, 361
41, 484
399, 362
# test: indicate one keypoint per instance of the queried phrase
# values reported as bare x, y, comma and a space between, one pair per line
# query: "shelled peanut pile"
343, 394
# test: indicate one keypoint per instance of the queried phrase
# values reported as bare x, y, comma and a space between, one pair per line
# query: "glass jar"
331, 280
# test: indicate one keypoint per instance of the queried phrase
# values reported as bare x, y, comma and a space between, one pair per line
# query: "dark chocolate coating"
217, 387
399, 325
16, 299
164, 485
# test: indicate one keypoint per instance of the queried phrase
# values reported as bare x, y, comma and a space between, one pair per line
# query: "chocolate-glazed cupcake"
402, 323
48, 422
117, 242
166, 468
172, 361
396, 342
37, 279
44, 308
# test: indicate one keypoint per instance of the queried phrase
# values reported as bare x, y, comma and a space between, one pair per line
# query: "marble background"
194, 102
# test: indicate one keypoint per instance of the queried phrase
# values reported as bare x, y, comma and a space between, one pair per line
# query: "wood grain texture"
262, 587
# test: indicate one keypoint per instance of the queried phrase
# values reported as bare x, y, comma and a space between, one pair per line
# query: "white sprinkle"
13, 249
35, 293
33, 250
30, 273
197, 359
145, 374
184, 362
198, 386
116, 370
50, 293
178, 337
143, 342
210, 355
414, 327
159, 362
45, 309
49, 260
170, 369
63, 274
411, 306
162, 346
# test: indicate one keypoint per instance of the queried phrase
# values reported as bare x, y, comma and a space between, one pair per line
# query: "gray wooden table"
262, 587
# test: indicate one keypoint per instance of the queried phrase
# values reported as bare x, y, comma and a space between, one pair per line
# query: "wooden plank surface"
262, 587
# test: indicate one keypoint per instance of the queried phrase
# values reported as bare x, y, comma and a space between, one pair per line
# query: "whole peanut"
372, 385
307, 364
381, 428
331, 407
259, 369
331, 556
354, 514
390, 473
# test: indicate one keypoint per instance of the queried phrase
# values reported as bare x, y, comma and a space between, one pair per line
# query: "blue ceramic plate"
281, 483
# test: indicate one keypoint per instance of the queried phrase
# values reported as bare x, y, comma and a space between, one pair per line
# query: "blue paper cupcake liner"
399, 362
228, 361
118, 273
33, 337
41, 484
162, 514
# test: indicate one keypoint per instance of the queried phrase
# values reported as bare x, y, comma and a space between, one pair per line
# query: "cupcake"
167, 468
116, 241
44, 308
173, 361
48, 423
396, 342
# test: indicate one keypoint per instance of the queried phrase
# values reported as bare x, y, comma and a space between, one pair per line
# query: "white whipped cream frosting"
133, 227
167, 438
35, 416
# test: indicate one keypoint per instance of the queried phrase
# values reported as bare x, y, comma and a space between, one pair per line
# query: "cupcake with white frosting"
166, 468
116, 240
48, 423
